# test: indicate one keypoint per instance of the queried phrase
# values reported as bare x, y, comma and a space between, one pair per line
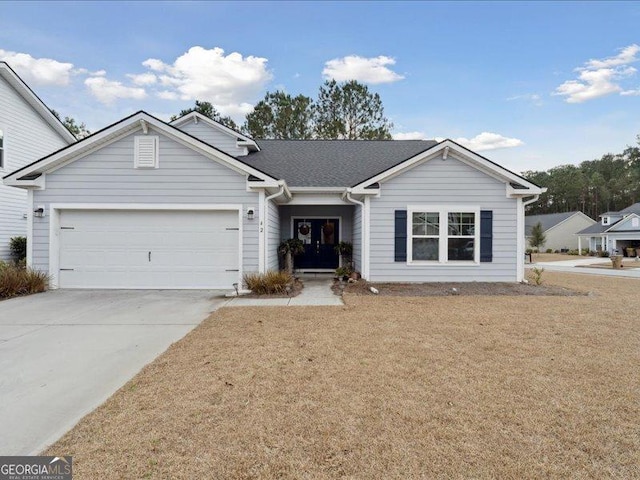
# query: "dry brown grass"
433, 387
552, 257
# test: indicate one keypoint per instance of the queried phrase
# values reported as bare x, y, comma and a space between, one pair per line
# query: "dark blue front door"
320, 236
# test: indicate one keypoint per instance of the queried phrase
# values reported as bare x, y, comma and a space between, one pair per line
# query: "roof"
548, 220
635, 208
331, 163
32, 99
197, 116
132, 123
595, 228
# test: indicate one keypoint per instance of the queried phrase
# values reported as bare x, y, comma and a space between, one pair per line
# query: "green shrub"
572, 252
271, 282
18, 248
16, 280
528, 251
603, 253
549, 250
343, 271
536, 275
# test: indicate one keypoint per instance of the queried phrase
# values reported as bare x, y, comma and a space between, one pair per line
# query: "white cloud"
143, 78
39, 71
533, 98
108, 91
631, 93
488, 141
368, 70
409, 136
599, 78
230, 82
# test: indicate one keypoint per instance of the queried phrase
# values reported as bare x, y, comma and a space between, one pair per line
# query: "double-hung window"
443, 234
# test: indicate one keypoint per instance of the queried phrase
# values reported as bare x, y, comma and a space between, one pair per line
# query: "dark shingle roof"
331, 163
547, 221
595, 228
635, 208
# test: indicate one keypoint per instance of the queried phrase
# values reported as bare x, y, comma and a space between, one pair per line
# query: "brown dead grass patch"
386, 387
626, 263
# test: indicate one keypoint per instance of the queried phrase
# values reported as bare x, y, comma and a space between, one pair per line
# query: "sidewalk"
316, 291
576, 266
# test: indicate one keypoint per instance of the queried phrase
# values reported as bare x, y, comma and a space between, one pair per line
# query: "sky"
528, 85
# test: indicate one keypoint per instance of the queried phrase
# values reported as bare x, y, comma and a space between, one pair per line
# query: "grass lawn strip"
385, 387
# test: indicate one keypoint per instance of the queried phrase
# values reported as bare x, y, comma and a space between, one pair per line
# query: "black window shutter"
486, 235
401, 236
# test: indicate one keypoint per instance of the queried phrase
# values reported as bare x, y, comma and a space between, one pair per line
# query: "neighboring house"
560, 229
615, 232
193, 204
28, 131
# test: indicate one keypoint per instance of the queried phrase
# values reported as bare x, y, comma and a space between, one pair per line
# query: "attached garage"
146, 248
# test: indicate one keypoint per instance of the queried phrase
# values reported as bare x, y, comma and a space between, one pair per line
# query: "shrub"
572, 252
536, 275
271, 282
603, 253
18, 248
549, 250
556, 251
528, 251
16, 280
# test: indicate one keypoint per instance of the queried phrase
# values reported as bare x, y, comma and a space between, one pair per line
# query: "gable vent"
146, 152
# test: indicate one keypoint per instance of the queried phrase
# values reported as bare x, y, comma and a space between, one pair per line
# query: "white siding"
273, 235
183, 177
214, 137
27, 137
439, 182
357, 237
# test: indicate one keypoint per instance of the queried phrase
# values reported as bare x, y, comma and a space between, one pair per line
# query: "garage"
148, 249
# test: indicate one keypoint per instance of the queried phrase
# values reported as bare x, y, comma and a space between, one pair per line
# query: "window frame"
443, 237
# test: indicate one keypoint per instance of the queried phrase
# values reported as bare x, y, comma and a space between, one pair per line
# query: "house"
28, 131
615, 232
560, 229
194, 204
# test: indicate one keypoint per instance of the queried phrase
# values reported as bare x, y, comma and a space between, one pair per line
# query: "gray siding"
273, 235
564, 235
27, 137
626, 225
357, 237
344, 211
214, 137
439, 182
184, 177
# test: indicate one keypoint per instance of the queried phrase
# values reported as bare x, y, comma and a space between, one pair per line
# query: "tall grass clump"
16, 280
271, 282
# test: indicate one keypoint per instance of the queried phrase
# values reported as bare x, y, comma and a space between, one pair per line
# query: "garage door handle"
149, 256
232, 270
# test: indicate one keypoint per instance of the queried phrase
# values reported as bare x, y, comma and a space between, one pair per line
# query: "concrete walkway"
316, 291
578, 266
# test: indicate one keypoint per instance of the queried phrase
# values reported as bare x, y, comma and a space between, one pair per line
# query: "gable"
447, 149
215, 137
628, 224
32, 175
111, 170
26, 135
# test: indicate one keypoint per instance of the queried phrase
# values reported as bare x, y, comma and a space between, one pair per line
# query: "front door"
319, 236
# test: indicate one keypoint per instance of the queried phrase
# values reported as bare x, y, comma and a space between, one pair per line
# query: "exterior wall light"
39, 211
250, 214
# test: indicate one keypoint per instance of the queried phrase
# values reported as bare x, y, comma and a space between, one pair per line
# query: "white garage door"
148, 249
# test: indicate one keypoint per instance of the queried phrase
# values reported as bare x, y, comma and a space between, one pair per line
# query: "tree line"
346, 110
593, 187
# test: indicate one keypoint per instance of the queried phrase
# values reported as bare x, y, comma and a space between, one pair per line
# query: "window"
605, 220
1, 149
443, 234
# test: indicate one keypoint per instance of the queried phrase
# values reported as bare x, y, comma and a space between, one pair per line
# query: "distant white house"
560, 229
615, 232
28, 131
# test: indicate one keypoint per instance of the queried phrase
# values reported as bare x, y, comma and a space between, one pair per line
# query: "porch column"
579, 245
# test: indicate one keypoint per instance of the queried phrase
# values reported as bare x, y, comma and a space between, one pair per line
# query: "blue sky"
529, 85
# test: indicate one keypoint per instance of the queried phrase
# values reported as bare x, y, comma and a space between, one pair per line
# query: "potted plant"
345, 250
631, 252
343, 273
290, 248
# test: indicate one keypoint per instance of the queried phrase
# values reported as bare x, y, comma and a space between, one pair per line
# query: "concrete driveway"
63, 353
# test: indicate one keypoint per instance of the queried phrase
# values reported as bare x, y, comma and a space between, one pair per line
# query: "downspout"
363, 230
264, 219
521, 236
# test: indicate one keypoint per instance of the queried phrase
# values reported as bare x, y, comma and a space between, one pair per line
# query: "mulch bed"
441, 289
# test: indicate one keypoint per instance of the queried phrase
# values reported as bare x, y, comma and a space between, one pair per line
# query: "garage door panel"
148, 249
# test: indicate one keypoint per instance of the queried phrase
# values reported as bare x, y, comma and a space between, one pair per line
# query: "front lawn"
386, 387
